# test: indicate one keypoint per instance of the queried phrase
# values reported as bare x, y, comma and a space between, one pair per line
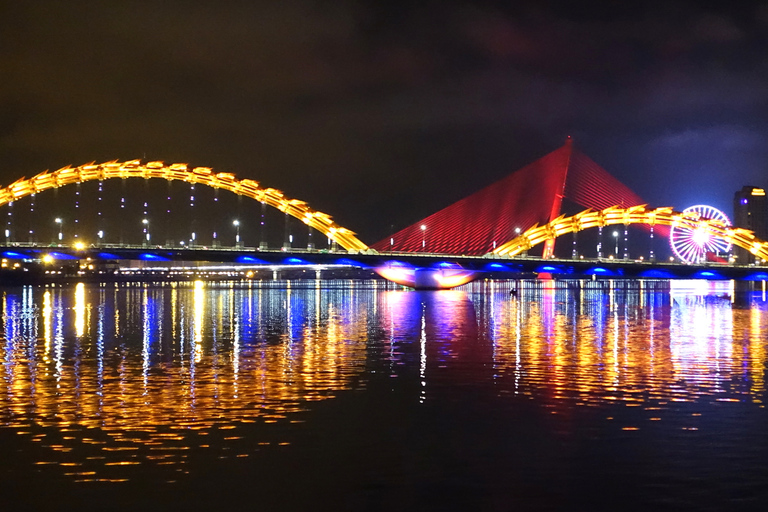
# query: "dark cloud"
382, 112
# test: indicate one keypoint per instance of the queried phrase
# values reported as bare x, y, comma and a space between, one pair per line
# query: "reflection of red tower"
444, 328
532, 195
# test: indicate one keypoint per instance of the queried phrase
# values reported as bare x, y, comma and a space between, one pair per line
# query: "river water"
318, 395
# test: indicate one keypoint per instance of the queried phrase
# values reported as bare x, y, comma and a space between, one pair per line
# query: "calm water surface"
349, 396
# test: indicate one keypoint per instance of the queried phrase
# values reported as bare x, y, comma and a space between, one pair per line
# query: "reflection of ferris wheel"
693, 244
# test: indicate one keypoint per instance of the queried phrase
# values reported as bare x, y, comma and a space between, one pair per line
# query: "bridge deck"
242, 259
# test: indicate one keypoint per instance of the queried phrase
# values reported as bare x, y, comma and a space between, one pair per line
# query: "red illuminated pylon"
532, 195
557, 202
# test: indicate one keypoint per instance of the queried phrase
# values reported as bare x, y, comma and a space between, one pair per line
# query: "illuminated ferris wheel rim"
692, 245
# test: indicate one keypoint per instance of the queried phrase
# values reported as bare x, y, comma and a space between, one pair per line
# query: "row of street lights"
517, 232
145, 230
236, 223
424, 237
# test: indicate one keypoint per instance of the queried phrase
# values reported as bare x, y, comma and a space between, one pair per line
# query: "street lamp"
616, 238
423, 237
517, 233
60, 222
236, 223
626, 245
145, 222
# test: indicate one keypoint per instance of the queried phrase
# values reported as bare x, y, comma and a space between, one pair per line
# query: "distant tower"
750, 211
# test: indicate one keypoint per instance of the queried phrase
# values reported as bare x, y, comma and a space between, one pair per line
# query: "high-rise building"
750, 211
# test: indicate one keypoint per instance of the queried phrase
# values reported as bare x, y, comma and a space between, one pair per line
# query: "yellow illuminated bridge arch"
203, 175
635, 215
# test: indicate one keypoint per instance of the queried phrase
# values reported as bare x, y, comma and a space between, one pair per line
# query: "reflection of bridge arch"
635, 215
202, 175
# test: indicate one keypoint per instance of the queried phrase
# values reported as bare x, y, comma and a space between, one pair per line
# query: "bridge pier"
426, 279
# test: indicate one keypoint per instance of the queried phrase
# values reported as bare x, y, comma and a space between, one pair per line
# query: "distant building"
750, 211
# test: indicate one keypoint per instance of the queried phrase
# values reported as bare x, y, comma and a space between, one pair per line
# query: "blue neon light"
599, 270
657, 274
757, 276
14, 255
251, 260
63, 256
294, 261
351, 263
706, 274
553, 269
108, 256
148, 256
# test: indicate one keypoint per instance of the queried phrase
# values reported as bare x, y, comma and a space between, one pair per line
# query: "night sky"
380, 113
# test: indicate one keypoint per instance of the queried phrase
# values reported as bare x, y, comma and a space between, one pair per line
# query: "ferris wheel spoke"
687, 245
692, 242
688, 253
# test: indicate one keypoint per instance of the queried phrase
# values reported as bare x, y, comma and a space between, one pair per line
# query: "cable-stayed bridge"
156, 213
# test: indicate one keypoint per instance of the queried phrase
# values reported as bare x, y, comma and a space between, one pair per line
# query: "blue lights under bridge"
423, 270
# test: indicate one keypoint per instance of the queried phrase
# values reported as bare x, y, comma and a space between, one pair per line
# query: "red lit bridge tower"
533, 195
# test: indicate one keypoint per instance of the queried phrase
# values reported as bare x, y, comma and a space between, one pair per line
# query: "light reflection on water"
108, 378
144, 364
636, 346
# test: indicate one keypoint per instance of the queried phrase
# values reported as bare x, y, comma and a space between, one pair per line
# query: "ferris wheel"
694, 244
